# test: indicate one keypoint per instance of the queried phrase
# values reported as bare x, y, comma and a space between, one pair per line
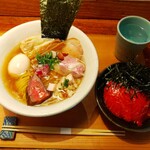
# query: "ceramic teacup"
133, 35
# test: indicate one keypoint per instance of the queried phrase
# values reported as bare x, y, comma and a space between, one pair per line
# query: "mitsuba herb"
57, 17
130, 75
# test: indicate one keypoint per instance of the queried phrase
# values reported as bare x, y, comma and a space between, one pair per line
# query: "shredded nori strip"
57, 17
130, 75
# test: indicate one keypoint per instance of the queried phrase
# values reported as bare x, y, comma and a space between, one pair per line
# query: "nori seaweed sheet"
57, 17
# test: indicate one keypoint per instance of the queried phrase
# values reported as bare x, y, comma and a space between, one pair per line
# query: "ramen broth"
66, 83
8, 81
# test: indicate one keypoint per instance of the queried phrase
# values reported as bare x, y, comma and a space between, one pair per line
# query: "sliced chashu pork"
70, 65
36, 92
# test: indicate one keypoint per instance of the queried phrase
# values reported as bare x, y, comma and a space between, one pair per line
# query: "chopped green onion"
66, 83
47, 59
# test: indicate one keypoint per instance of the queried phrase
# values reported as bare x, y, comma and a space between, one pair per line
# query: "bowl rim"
49, 110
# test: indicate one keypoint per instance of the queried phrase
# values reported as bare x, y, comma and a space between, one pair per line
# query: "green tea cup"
133, 35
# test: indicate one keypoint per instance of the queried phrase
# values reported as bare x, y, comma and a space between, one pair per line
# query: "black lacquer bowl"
99, 87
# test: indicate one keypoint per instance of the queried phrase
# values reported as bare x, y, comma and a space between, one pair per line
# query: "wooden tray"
84, 115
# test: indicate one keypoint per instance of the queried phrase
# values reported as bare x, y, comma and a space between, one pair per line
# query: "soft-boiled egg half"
18, 64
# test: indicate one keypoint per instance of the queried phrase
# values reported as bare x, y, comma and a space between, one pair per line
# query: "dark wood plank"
89, 26
92, 9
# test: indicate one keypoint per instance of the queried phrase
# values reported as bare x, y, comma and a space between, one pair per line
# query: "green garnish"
66, 83
47, 59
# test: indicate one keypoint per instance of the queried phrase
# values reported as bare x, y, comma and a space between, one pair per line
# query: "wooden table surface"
84, 115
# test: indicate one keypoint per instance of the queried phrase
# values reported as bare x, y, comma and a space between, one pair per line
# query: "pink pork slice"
36, 92
72, 65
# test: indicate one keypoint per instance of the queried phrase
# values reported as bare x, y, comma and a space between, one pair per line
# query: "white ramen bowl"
12, 37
